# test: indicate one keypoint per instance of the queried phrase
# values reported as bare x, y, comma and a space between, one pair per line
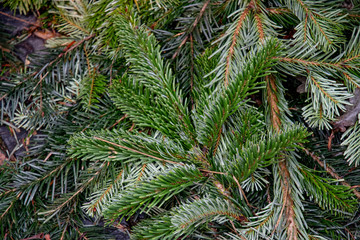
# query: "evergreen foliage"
186, 111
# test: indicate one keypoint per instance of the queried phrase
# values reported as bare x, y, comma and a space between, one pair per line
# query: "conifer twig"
330, 171
136, 151
242, 192
288, 202
234, 40
197, 19
19, 19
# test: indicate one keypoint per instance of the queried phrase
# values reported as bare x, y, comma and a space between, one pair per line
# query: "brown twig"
243, 193
288, 202
48, 156
260, 28
10, 206
3, 96
197, 19
19, 19
235, 231
37, 236
273, 100
192, 71
217, 141
290, 214
234, 40
132, 127
118, 121
208, 171
73, 47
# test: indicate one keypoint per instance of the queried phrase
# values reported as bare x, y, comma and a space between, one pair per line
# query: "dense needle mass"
185, 113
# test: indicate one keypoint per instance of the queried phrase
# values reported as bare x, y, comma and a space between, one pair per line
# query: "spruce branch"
230, 97
182, 133
332, 197
288, 206
188, 32
136, 151
96, 206
53, 211
234, 40
331, 171
324, 26
154, 192
148, 69
273, 101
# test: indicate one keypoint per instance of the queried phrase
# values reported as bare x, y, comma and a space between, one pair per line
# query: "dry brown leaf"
37, 236
348, 4
46, 34
302, 87
2, 158
27, 62
4, 49
351, 115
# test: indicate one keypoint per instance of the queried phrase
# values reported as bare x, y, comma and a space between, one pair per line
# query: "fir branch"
94, 206
326, 195
197, 155
330, 171
234, 40
73, 17
124, 146
352, 153
260, 27
351, 80
154, 192
29, 182
326, 101
52, 212
291, 222
142, 51
24, 6
136, 151
184, 220
188, 215
287, 201
324, 25
188, 33
265, 217
261, 153
229, 99
273, 102
323, 91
